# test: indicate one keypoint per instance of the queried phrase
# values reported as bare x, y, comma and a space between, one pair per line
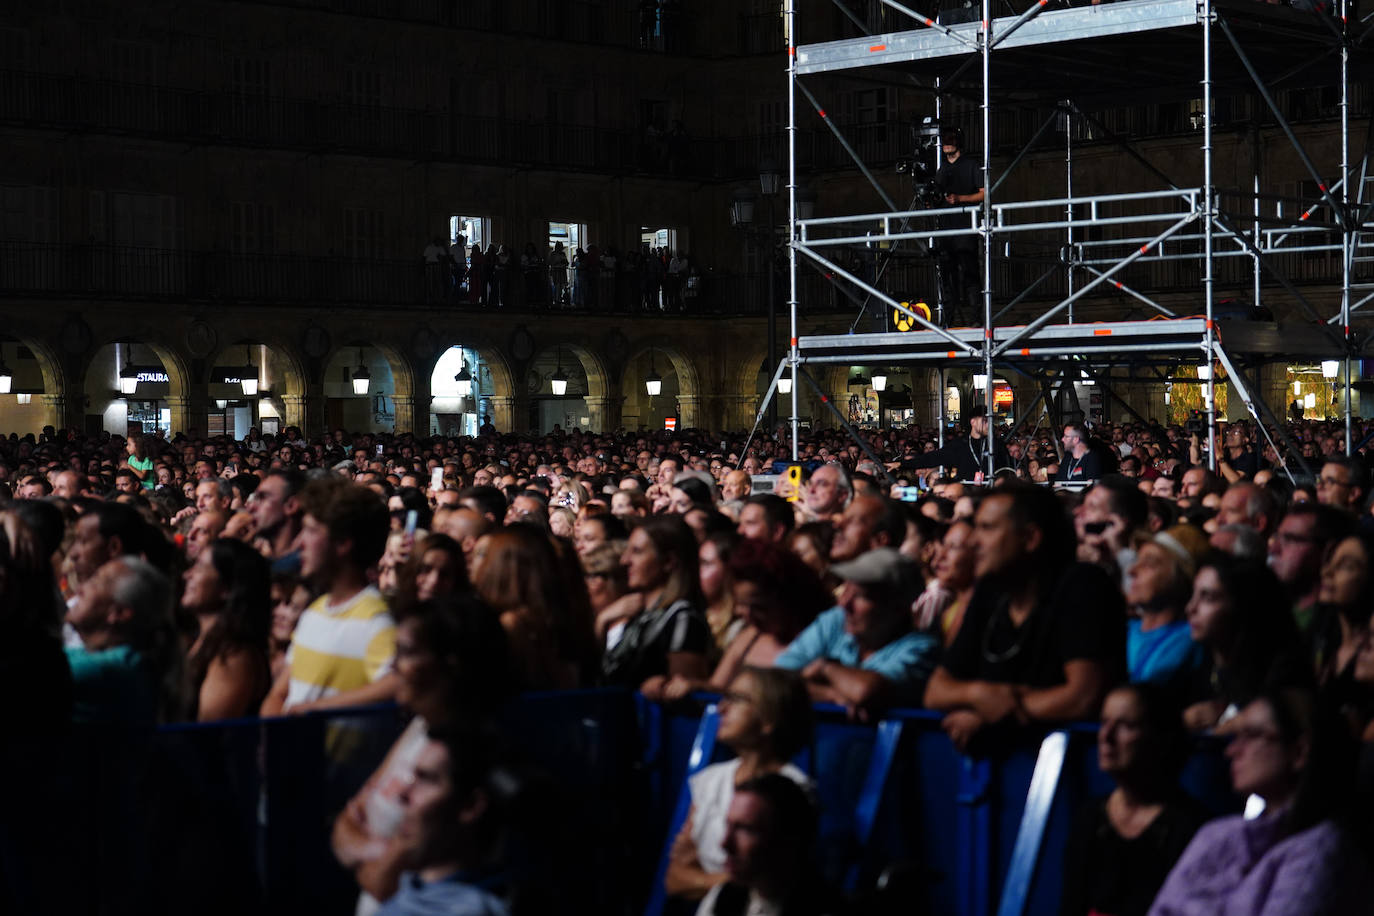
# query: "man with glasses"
1342, 484
1296, 551
1080, 463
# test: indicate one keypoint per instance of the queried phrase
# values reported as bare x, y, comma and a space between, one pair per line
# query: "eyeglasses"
1288, 538
731, 696
1248, 735
1331, 482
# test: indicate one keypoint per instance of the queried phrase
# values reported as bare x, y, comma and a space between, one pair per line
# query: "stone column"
182, 418
306, 412
605, 413
59, 413
509, 414
688, 411
405, 415
1274, 389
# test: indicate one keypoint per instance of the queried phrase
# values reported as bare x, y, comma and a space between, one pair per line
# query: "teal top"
144, 468
111, 686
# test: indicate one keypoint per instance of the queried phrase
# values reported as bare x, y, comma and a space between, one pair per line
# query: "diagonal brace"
932, 24
1336, 206
840, 271
859, 440
1140, 252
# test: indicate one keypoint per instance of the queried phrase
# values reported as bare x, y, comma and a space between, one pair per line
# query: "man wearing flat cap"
864, 652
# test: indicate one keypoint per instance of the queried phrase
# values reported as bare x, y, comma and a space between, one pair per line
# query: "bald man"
70, 485
465, 526
736, 485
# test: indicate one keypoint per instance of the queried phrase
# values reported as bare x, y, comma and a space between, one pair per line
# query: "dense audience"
152, 581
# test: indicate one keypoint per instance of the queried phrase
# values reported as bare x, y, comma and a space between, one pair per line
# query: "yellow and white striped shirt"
338, 649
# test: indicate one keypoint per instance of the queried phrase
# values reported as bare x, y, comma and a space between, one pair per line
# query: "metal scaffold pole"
1209, 202
790, 23
1349, 226
988, 383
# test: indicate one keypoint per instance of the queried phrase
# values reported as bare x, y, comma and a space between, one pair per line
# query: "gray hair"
1248, 544
144, 589
223, 487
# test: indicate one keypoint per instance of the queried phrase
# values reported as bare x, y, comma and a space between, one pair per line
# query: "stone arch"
48, 409
174, 362
603, 408
402, 382
689, 392
503, 389
288, 383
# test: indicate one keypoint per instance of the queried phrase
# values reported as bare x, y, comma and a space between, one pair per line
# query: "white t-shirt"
712, 789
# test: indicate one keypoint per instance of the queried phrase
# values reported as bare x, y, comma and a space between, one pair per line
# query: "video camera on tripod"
924, 162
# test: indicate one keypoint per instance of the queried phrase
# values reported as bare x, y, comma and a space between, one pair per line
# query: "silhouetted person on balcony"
477, 276
961, 182
579, 289
532, 275
558, 276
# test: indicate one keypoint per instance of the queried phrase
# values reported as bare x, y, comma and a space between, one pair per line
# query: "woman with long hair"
1345, 599
1121, 847
519, 578
669, 636
228, 589
713, 569
777, 596
940, 609
1240, 616
765, 718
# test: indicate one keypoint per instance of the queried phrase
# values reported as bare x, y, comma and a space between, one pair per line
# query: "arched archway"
585, 403
137, 385
490, 394
679, 397
272, 404
37, 389
384, 404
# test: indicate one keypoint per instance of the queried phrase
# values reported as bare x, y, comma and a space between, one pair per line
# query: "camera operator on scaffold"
960, 180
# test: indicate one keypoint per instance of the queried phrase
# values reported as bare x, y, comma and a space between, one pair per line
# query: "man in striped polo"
344, 644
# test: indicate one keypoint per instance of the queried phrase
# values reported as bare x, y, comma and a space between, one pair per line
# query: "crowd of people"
650, 279
150, 581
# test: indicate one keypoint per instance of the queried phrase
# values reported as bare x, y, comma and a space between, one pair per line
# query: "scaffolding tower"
1064, 60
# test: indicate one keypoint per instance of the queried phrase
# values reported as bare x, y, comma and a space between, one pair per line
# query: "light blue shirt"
907, 661
1160, 654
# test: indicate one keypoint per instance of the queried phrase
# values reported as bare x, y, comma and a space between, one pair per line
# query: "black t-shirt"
1072, 469
968, 456
1106, 873
962, 176
1082, 616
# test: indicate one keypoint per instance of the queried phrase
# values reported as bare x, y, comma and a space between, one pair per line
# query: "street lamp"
784, 384
128, 376
362, 379
1204, 372
653, 382
249, 379
1330, 368
463, 380
880, 381
558, 381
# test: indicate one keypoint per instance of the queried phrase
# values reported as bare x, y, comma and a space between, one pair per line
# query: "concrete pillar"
305, 411
605, 413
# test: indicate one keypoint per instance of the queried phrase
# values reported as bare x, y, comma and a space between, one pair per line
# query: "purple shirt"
1235, 867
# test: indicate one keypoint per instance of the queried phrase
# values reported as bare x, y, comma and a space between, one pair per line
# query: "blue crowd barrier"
235, 817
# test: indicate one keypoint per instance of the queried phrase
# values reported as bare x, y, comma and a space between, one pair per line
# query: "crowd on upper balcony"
145, 580
651, 279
